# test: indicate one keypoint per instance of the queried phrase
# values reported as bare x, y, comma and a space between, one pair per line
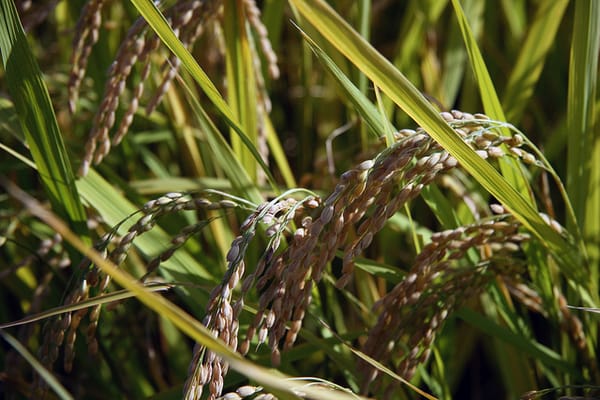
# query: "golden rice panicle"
415, 309
253, 16
222, 312
187, 19
86, 35
98, 143
361, 203
367, 195
62, 331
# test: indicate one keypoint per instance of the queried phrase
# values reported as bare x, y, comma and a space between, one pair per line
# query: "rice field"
239, 199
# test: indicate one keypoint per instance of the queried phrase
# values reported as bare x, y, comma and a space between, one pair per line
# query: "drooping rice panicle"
363, 200
188, 19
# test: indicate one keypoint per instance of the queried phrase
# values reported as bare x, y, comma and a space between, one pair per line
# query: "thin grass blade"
588, 309
52, 382
491, 103
94, 301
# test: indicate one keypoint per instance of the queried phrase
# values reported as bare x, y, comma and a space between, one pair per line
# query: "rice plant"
230, 199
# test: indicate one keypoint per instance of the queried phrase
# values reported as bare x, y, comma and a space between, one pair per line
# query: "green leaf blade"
583, 155
38, 120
